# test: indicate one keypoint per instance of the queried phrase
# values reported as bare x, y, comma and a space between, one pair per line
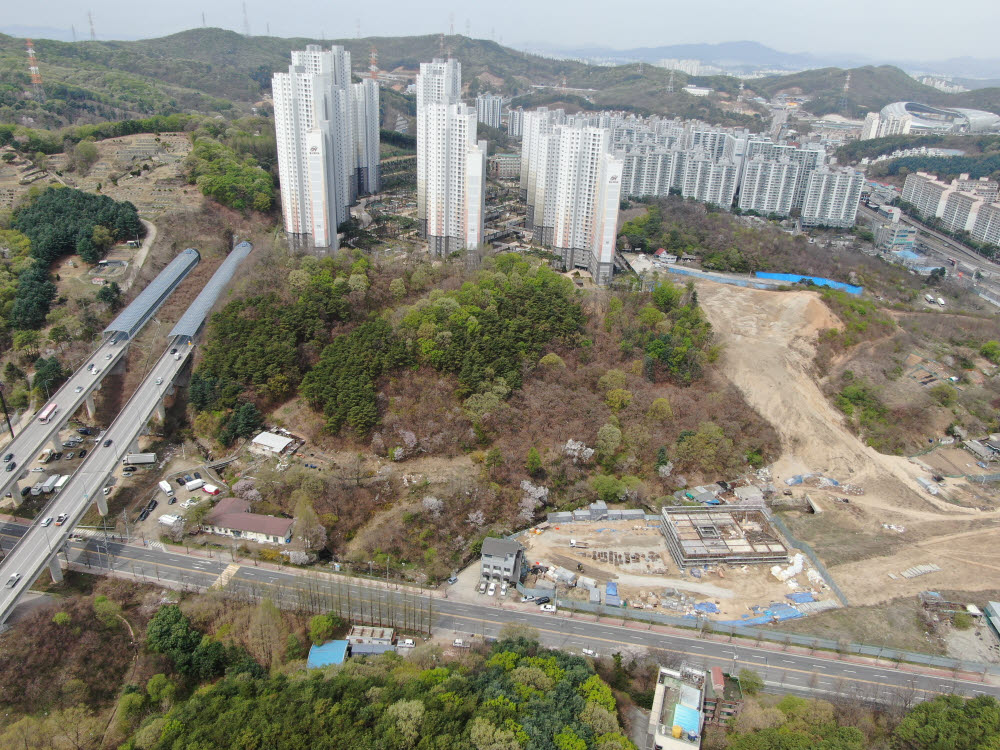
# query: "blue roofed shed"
333, 652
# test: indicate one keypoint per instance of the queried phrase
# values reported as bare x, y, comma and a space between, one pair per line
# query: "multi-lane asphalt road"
33, 438
38, 545
782, 670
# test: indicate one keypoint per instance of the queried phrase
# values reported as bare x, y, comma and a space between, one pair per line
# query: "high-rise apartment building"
768, 187
572, 185
987, 226
871, 126
325, 140
489, 109
451, 164
807, 159
365, 101
515, 122
926, 193
831, 197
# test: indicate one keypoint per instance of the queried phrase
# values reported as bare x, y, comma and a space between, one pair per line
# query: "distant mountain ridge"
750, 55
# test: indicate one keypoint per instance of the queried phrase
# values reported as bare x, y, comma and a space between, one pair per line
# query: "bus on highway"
46, 413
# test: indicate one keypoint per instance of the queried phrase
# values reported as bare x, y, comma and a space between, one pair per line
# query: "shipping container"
197, 484
167, 489
132, 459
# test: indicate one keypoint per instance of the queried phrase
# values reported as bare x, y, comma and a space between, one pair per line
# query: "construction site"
733, 534
630, 563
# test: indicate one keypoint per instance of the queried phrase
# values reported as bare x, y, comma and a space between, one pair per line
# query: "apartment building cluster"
327, 131
451, 163
727, 166
572, 183
881, 125
962, 205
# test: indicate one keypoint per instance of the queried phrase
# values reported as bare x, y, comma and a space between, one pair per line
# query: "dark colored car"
172, 500
152, 506
144, 515
180, 481
11, 466
8, 457
85, 431
107, 442
543, 600
82, 453
197, 475
188, 478
25, 491
57, 455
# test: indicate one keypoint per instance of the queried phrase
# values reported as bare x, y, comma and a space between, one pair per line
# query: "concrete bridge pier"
91, 408
161, 411
55, 570
15, 493
102, 503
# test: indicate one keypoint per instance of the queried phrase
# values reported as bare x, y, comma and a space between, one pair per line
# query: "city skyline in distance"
853, 31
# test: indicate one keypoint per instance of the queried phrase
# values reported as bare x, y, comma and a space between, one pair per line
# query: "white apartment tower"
768, 187
323, 128
515, 122
365, 102
572, 184
451, 164
489, 109
831, 197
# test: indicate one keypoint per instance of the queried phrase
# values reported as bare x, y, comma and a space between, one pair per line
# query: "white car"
482, 587
78, 389
493, 590
589, 652
159, 381
407, 643
47, 522
107, 356
548, 608
503, 589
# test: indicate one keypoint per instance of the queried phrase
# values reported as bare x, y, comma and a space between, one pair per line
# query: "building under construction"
736, 534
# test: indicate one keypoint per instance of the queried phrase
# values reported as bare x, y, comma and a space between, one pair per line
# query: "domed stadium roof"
943, 119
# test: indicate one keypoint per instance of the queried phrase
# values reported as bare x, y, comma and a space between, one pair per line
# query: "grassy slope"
872, 87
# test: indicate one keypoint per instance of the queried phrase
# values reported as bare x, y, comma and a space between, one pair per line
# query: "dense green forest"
519, 696
57, 222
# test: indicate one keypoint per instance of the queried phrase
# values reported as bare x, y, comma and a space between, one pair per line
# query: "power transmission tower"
72, 29
451, 24
357, 28
93, 34
468, 28
843, 99
38, 93
670, 83
373, 63
246, 21
203, 19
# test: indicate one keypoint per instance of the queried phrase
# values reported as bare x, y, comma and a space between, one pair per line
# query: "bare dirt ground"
768, 340
733, 590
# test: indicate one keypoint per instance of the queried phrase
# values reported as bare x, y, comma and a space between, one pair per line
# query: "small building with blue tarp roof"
333, 652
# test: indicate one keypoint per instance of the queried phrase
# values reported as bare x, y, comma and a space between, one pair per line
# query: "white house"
269, 443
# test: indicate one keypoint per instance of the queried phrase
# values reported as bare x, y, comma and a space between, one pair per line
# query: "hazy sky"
916, 29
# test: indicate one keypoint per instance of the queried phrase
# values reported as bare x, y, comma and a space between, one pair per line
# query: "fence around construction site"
813, 558
766, 634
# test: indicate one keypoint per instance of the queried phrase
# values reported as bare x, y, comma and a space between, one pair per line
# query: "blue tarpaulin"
794, 278
801, 597
707, 607
611, 589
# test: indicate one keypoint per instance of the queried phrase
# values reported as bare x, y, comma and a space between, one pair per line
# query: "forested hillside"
871, 88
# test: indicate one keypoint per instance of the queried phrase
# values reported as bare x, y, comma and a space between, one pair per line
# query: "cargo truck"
62, 482
210, 489
133, 459
167, 489
50, 483
197, 484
